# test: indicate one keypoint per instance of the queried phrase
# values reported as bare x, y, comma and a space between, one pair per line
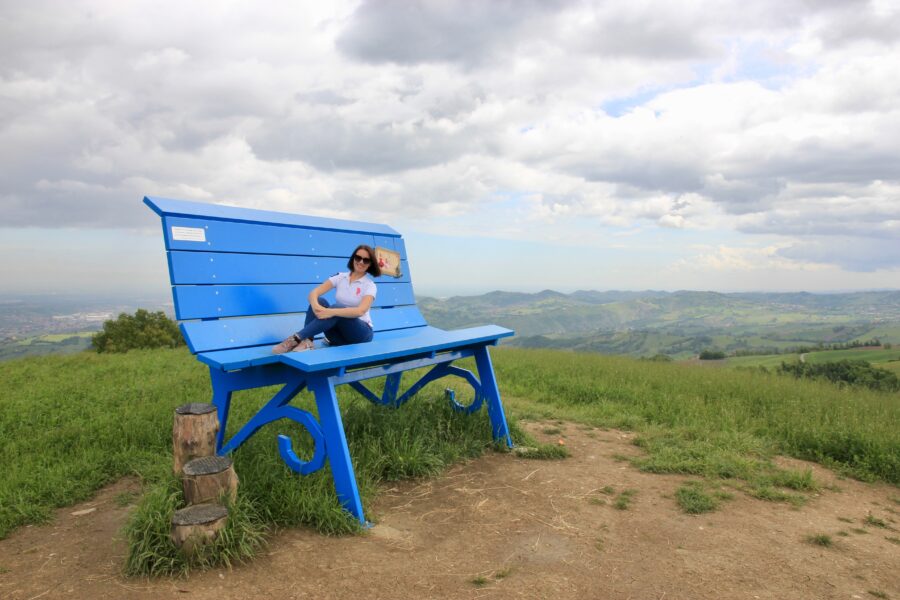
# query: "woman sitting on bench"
348, 322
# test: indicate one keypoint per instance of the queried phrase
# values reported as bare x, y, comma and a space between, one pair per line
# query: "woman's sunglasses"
362, 259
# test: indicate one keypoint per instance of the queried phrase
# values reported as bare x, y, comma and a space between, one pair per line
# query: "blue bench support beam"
336, 445
239, 281
499, 427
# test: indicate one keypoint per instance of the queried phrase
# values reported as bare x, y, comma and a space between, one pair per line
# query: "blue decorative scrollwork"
476, 387
285, 447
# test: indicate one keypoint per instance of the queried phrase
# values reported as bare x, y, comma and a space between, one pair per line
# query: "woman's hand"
321, 312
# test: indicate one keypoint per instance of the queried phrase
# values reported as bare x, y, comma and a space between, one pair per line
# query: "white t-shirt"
349, 294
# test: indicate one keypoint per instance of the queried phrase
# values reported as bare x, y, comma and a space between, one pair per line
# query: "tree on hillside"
144, 329
853, 372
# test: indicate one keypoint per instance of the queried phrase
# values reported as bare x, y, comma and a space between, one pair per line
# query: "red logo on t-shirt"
358, 291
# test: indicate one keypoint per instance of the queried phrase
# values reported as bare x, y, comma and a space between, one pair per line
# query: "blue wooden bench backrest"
240, 277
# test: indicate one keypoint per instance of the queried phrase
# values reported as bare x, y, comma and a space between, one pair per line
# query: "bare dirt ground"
506, 527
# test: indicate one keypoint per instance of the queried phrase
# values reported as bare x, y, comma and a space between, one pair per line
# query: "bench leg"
391, 387
222, 401
492, 395
336, 446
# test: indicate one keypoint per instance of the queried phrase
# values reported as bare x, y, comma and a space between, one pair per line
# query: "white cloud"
754, 122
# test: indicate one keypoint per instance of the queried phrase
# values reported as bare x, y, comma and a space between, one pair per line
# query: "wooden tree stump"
197, 525
193, 433
205, 479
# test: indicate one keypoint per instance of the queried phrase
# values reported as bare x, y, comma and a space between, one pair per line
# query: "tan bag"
389, 261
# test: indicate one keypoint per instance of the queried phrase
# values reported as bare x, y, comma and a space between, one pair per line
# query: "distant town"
26, 317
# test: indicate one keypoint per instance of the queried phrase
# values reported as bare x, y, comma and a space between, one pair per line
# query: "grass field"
876, 356
768, 361
70, 424
883, 358
693, 408
57, 343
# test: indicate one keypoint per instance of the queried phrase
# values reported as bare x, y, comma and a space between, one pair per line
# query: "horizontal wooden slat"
240, 358
205, 336
428, 339
216, 301
209, 235
166, 207
230, 268
387, 242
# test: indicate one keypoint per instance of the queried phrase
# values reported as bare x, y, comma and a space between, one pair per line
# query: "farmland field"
876, 356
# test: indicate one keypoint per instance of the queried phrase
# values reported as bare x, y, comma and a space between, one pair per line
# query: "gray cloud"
437, 108
858, 21
463, 31
331, 143
851, 253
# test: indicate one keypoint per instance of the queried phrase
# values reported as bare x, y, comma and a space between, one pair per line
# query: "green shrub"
143, 330
852, 372
660, 357
712, 355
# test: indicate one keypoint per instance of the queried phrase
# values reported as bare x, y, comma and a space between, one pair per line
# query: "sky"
517, 145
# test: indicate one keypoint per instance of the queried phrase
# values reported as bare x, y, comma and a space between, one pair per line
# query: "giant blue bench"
240, 280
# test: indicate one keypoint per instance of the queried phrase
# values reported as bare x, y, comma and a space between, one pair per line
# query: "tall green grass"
70, 424
749, 414
420, 439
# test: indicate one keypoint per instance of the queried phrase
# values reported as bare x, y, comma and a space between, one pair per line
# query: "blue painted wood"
400, 247
424, 342
365, 392
170, 207
286, 449
477, 401
268, 413
225, 268
216, 301
439, 370
205, 336
443, 370
336, 442
248, 272
240, 358
391, 387
229, 236
387, 242
248, 379
492, 395
221, 400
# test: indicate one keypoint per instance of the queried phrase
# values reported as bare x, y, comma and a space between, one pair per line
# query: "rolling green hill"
680, 324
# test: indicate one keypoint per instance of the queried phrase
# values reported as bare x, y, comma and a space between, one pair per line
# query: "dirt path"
505, 527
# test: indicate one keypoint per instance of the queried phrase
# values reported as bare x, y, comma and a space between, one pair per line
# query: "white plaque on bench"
188, 234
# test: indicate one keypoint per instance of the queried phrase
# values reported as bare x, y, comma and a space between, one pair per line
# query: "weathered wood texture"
193, 433
206, 479
194, 526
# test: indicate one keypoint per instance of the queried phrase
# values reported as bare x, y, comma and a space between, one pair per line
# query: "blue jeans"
339, 331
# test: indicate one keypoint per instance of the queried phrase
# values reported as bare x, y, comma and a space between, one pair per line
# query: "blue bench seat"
240, 280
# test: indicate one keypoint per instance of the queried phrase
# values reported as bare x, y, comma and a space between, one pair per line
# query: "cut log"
206, 479
193, 433
197, 525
